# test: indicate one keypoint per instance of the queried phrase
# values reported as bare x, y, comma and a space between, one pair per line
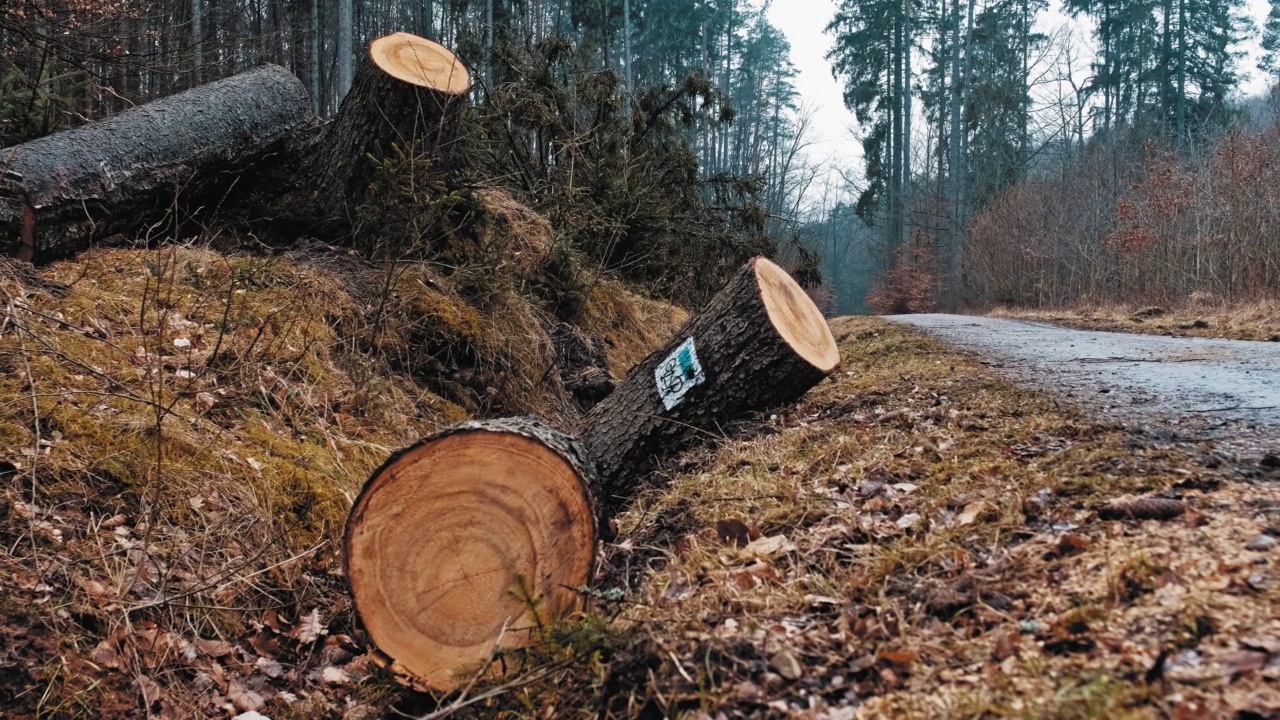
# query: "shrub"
910, 286
1138, 224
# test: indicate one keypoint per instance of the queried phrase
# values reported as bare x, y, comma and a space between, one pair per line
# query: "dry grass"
630, 324
921, 541
916, 538
185, 434
181, 436
1202, 316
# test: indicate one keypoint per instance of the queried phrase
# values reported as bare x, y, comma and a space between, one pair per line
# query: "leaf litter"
917, 537
941, 543
181, 434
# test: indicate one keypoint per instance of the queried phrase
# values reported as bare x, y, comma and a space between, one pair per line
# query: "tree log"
60, 193
462, 543
467, 541
408, 91
760, 343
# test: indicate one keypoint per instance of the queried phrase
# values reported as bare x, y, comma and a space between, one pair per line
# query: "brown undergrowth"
916, 538
919, 538
1201, 316
181, 435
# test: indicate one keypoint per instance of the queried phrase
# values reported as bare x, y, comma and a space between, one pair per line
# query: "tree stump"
760, 343
466, 541
408, 91
60, 193
452, 537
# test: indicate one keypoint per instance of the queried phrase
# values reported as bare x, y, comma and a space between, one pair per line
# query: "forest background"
1005, 159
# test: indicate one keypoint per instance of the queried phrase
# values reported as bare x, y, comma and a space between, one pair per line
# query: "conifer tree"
1164, 63
871, 55
1271, 41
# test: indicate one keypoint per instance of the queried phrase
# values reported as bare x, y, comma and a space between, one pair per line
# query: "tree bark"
345, 47
313, 55
456, 542
409, 92
60, 193
760, 343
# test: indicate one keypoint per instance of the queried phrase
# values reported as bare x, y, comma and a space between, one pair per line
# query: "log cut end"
798, 321
463, 543
420, 62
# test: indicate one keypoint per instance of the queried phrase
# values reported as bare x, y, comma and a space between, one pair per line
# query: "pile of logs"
462, 543
182, 157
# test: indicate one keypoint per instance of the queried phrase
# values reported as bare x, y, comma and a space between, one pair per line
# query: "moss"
211, 400
439, 320
631, 325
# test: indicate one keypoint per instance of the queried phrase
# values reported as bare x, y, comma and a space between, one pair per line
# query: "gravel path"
1227, 390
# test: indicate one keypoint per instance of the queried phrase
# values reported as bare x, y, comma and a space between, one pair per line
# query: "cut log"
452, 537
408, 91
465, 542
60, 193
759, 344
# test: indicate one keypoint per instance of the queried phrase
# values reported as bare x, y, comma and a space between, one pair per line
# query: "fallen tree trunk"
409, 92
60, 193
760, 343
456, 542
464, 542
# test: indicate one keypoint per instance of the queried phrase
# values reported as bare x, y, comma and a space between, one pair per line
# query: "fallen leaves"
903, 658
244, 699
784, 662
309, 628
769, 546
1261, 543
204, 402
973, 511
939, 564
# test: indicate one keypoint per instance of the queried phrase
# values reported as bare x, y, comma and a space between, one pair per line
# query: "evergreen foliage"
620, 181
872, 42
1271, 40
1163, 70
662, 137
1165, 63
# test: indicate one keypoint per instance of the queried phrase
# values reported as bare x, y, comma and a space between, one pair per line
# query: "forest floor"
1259, 320
919, 536
922, 537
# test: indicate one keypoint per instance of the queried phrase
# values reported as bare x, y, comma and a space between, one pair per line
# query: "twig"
269, 568
460, 703
680, 667
11, 313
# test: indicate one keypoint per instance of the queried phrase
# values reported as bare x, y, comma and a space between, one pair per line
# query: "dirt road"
1229, 389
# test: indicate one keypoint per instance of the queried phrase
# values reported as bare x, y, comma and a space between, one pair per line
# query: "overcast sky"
834, 135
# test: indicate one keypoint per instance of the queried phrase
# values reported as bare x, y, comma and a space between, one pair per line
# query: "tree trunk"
626, 58
907, 45
345, 48
457, 540
197, 41
488, 48
408, 91
760, 343
64, 191
955, 173
313, 55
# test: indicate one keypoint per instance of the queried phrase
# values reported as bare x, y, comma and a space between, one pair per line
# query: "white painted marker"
678, 374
